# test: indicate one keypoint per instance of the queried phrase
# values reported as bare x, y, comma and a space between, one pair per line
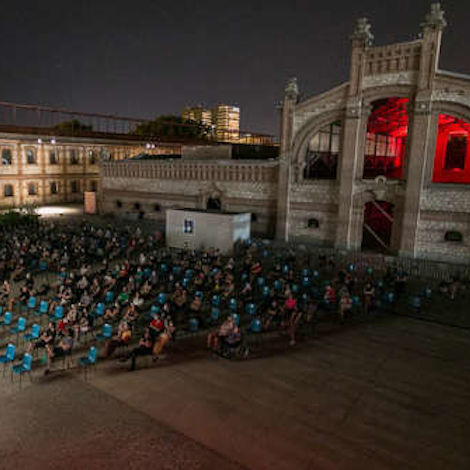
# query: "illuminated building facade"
226, 120
198, 114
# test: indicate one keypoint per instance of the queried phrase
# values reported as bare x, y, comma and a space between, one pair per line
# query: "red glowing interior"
451, 163
387, 131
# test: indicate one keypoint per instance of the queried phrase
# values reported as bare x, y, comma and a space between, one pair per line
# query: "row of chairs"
25, 367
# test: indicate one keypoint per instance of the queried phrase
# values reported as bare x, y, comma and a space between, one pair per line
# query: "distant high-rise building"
226, 120
223, 119
198, 114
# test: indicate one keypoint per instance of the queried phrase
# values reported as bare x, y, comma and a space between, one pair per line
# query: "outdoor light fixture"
53, 141
39, 140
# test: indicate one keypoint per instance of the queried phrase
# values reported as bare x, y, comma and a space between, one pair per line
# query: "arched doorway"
377, 228
213, 204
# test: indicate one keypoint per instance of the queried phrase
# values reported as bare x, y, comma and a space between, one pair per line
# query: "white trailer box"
197, 229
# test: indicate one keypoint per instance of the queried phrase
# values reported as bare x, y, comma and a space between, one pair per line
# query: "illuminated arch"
386, 137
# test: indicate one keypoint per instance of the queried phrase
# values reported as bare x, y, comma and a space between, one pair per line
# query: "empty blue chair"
164, 268
99, 310
193, 325
277, 285
427, 292
185, 282
380, 283
265, 253
305, 272
232, 303
35, 332
176, 270
251, 308
295, 288
216, 300
189, 273
199, 294
7, 319
261, 281
285, 269
350, 267
161, 298
266, 291
8, 357
90, 360
356, 300
390, 297
369, 270
106, 332
255, 325
214, 271
58, 313
306, 281
236, 318
215, 314
43, 308
19, 328
244, 276
109, 297
316, 274
23, 368
32, 302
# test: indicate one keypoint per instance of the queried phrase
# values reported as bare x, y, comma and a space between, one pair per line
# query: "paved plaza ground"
390, 393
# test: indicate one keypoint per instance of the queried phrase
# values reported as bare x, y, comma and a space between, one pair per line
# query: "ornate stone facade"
291, 204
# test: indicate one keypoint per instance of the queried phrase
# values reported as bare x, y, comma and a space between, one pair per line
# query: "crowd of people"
90, 276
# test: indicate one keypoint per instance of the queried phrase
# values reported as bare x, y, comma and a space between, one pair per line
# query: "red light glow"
451, 162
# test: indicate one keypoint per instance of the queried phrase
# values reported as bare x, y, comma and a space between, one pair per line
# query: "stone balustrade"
246, 171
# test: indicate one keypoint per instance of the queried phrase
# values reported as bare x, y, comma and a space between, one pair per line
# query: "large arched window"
387, 131
321, 160
452, 159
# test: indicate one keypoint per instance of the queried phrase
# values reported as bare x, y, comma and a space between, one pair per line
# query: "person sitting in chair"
222, 332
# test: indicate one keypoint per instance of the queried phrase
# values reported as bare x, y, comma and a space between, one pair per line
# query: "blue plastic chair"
305, 272
99, 310
189, 273
90, 360
251, 308
266, 291
390, 297
19, 328
193, 325
316, 274
176, 270
244, 276
306, 281
43, 308
109, 297
427, 292
285, 269
161, 298
7, 319
185, 282
32, 301
154, 310
199, 294
261, 281
8, 357
295, 288
58, 313
232, 303
215, 314
23, 368
415, 302
106, 332
255, 325
216, 300
277, 285
35, 332
236, 318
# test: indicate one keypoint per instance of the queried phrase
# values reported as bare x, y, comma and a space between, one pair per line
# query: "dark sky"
148, 57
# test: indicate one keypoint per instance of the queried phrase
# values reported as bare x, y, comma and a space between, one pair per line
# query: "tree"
172, 126
73, 126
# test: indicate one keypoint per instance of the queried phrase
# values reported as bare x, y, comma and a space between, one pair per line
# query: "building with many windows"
380, 162
47, 170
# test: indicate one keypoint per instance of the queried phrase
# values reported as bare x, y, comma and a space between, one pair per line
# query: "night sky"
144, 58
